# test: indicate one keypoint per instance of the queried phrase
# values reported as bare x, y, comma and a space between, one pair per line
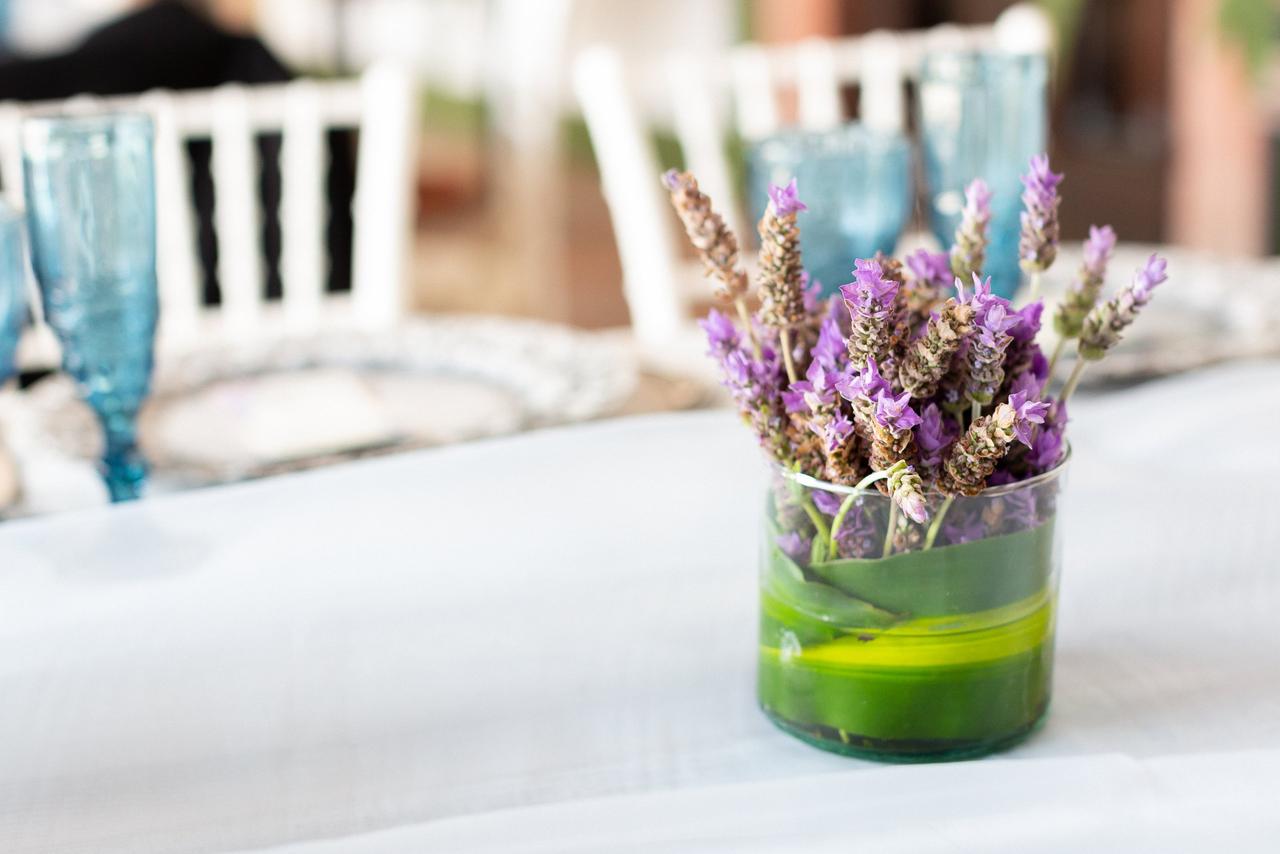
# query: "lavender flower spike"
1039, 244
716, 244
870, 300
891, 425
969, 251
1082, 294
782, 290
974, 457
1105, 324
993, 325
929, 356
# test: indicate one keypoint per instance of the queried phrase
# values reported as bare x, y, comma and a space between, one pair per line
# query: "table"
546, 643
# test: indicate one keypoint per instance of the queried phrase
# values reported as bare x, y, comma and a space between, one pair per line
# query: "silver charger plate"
256, 409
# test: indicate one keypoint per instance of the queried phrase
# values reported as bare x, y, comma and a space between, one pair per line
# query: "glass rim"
990, 492
853, 130
42, 126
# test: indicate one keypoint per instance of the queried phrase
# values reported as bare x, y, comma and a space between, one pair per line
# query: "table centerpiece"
910, 549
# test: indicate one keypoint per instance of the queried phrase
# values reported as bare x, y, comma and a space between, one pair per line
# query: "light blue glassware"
13, 288
91, 216
856, 183
982, 115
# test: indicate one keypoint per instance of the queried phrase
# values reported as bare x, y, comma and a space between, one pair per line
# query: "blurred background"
519, 235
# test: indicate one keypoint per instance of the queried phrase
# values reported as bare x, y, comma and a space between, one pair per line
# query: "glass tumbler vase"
892, 640
91, 216
856, 183
982, 115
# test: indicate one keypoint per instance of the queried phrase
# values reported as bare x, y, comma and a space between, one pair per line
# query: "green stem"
1053, 363
745, 316
975, 412
787, 358
888, 536
936, 524
806, 504
1072, 381
846, 505
1034, 286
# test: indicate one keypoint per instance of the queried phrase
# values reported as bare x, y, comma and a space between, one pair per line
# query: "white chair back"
381, 104
703, 92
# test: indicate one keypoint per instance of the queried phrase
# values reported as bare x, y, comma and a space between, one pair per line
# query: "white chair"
381, 104
658, 286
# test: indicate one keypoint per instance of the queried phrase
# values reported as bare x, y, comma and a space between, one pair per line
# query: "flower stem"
787, 358
745, 316
806, 504
975, 412
1072, 381
1034, 286
1053, 363
888, 535
936, 524
846, 505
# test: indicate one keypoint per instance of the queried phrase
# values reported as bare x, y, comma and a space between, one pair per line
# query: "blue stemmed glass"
13, 288
982, 115
91, 215
856, 183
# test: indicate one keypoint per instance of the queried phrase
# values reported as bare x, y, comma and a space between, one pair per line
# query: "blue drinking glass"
856, 183
91, 215
982, 115
13, 288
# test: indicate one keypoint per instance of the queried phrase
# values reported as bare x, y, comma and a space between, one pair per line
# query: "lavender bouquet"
917, 437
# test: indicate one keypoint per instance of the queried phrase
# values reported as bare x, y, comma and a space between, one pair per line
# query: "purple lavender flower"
870, 299
795, 546
969, 251
965, 529
830, 349
858, 536
1026, 384
863, 385
1020, 512
1105, 324
786, 200
933, 435
1047, 446
930, 268
1038, 246
828, 502
1028, 325
895, 413
722, 335
1026, 412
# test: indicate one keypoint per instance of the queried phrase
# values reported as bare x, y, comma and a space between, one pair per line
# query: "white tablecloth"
547, 643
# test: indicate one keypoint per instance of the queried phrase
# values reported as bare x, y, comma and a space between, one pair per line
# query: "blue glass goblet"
13, 288
856, 183
982, 115
91, 214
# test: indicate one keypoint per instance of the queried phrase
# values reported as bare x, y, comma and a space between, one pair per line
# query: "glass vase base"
904, 752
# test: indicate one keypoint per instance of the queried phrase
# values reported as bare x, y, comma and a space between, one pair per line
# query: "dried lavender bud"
929, 357
781, 287
1083, 292
1105, 324
716, 244
870, 300
974, 457
907, 490
969, 252
1039, 243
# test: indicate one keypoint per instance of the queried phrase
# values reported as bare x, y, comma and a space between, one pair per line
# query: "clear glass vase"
892, 640
856, 182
